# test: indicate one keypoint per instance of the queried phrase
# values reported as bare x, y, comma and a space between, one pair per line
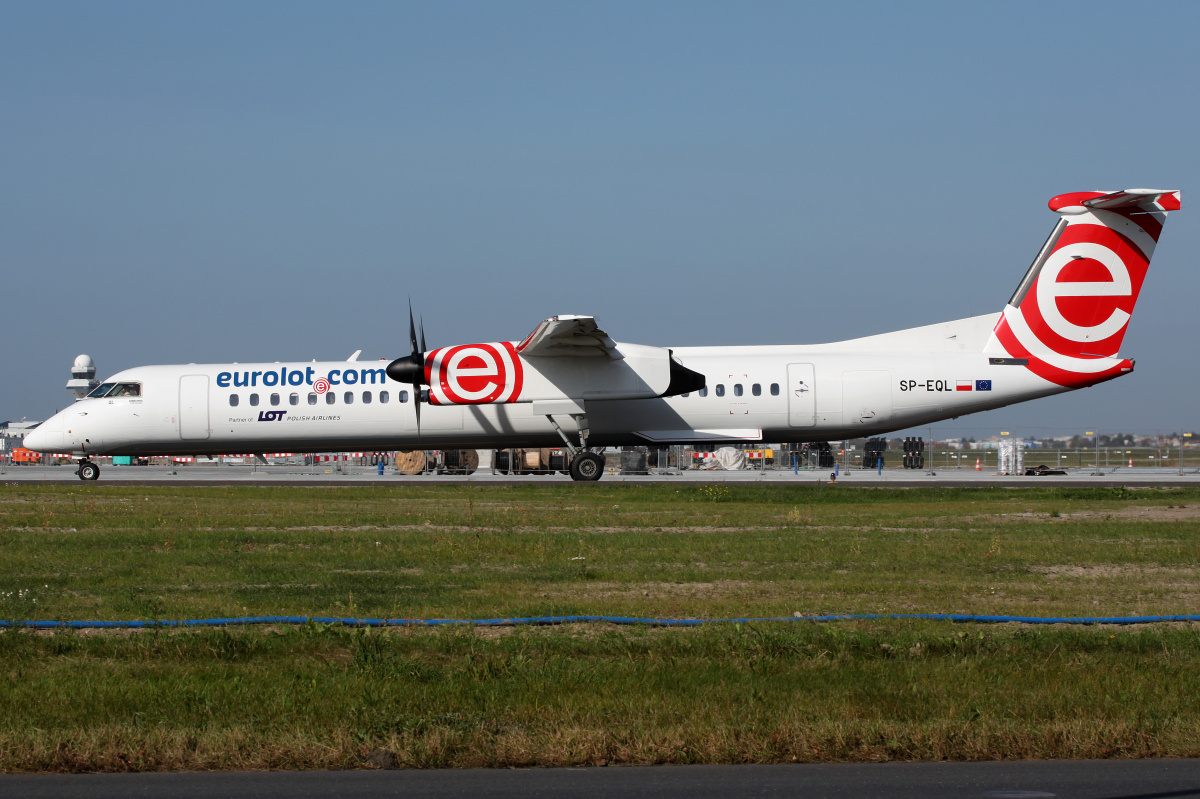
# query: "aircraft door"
193, 408
866, 397
802, 395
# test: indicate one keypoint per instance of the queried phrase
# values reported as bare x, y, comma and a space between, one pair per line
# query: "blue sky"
271, 181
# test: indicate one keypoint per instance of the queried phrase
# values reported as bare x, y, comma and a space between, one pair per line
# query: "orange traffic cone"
1131, 463
978, 468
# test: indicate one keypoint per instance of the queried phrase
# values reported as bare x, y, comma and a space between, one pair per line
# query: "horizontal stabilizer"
1127, 201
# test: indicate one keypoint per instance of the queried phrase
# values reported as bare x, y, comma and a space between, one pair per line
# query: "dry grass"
588, 694
135, 749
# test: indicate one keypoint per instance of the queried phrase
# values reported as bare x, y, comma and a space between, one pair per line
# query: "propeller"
411, 368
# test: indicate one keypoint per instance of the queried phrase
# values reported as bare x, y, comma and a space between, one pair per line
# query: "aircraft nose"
36, 440
47, 436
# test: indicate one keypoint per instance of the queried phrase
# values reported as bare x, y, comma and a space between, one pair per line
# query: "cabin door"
193, 408
802, 395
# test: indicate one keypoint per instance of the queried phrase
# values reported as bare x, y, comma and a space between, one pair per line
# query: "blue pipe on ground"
547, 620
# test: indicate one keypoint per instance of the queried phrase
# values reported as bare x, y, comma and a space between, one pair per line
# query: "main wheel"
587, 466
89, 471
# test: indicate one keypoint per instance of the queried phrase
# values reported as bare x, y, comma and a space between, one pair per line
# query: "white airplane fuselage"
773, 393
568, 380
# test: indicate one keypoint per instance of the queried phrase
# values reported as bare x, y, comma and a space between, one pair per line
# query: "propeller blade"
423, 347
417, 399
412, 330
410, 368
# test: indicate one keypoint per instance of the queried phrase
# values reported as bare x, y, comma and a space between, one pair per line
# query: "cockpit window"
101, 390
127, 390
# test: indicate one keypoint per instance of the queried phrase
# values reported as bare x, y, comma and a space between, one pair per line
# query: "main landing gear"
585, 465
88, 470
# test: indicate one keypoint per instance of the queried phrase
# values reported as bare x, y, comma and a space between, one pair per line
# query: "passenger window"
756, 390
720, 389
233, 400
774, 389
402, 396
294, 399
348, 398
384, 397
686, 395
254, 399
312, 398
330, 398
737, 389
366, 398
703, 392
274, 399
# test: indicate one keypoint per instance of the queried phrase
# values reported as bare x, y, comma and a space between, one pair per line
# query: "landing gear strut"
88, 470
585, 465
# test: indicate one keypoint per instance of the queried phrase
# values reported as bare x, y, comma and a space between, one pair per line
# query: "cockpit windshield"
116, 390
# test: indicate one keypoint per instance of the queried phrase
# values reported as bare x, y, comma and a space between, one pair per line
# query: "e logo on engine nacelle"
474, 374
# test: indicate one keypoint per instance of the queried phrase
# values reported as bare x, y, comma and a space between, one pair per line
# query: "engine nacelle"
481, 374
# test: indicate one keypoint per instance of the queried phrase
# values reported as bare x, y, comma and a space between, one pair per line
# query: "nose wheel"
88, 470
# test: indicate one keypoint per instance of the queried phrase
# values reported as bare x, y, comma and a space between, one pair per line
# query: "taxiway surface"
1107, 779
278, 474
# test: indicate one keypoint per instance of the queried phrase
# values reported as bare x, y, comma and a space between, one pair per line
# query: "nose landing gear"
88, 470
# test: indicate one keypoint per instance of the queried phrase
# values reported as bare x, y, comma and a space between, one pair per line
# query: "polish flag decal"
966, 385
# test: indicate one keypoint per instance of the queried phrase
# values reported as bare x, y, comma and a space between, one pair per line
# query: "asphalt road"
1108, 779
365, 475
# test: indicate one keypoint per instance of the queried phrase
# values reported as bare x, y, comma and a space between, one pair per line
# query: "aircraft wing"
568, 335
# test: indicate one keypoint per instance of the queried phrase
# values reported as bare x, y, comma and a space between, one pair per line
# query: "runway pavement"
1108, 779
280, 474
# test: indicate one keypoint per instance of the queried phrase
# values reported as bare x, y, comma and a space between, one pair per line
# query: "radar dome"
83, 377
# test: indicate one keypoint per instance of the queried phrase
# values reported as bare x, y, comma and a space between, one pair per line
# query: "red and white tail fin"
1069, 315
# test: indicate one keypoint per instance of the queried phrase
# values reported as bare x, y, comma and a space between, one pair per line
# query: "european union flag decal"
983, 385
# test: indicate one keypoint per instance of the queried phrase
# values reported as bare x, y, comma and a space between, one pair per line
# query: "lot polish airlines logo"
474, 374
1072, 319
271, 416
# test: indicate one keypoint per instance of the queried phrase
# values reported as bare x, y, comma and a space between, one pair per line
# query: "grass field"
336, 698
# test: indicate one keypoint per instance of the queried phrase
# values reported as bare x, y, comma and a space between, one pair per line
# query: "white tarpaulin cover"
1012, 457
727, 459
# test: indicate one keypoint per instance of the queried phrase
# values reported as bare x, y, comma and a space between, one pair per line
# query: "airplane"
568, 383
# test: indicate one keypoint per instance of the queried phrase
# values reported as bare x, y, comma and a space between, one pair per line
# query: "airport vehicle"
569, 383
23, 455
